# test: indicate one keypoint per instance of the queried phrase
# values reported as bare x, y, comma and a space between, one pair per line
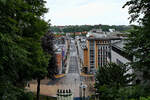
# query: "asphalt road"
72, 78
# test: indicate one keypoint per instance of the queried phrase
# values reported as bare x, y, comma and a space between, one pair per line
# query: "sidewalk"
68, 61
77, 51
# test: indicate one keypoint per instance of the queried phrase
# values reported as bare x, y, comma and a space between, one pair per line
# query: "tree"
110, 78
48, 47
22, 57
139, 38
83, 28
132, 92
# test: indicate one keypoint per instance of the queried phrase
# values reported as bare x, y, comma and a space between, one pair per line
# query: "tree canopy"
110, 78
22, 57
83, 28
48, 47
139, 40
139, 37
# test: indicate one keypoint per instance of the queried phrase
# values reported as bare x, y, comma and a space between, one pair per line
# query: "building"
98, 51
81, 43
102, 48
61, 51
118, 54
59, 61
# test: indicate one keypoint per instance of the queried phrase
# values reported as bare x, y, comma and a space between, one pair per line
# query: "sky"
87, 12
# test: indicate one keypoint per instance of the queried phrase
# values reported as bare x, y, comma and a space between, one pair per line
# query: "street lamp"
82, 91
80, 88
84, 87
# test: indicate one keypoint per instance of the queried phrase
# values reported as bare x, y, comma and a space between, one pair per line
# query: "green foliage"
138, 8
21, 54
82, 28
142, 98
48, 47
110, 78
55, 29
131, 92
13, 93
107, 92
139, 40
113, 75
138, 46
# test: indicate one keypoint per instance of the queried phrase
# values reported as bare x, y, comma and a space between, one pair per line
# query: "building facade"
59, 61
98, 53
119, 56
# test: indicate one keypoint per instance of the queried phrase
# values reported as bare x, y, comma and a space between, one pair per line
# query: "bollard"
65, 94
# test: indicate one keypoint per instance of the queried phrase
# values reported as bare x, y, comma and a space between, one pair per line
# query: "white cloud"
73, 12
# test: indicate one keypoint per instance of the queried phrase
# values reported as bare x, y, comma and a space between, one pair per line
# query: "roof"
104, 38
101, 36
120, 44
118, 47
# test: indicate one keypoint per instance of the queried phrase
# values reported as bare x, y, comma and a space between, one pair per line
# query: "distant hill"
82, 28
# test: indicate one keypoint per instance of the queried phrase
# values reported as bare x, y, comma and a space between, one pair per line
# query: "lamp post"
83, 91
80, 89
84, 94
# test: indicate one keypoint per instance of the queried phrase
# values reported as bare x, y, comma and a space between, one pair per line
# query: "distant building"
112, 30
118, 53
119, 56
77, 33
85, 60
59, 61
98, 51
61, 48
102, 48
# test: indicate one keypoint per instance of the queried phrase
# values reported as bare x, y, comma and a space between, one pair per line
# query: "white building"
119, 56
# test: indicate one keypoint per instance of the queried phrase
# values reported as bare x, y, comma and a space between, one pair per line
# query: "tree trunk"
38, 89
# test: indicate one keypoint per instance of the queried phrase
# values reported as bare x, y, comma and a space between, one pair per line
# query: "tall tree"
110, 78
139, 38
48, 47
22, 57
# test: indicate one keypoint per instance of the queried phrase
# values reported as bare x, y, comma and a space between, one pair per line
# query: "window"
91, 43
91, 51
91, 66
91, 61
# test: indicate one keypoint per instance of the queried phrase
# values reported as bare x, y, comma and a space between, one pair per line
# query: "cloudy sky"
81, 12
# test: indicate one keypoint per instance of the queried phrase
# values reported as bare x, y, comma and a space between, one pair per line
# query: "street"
72, 78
